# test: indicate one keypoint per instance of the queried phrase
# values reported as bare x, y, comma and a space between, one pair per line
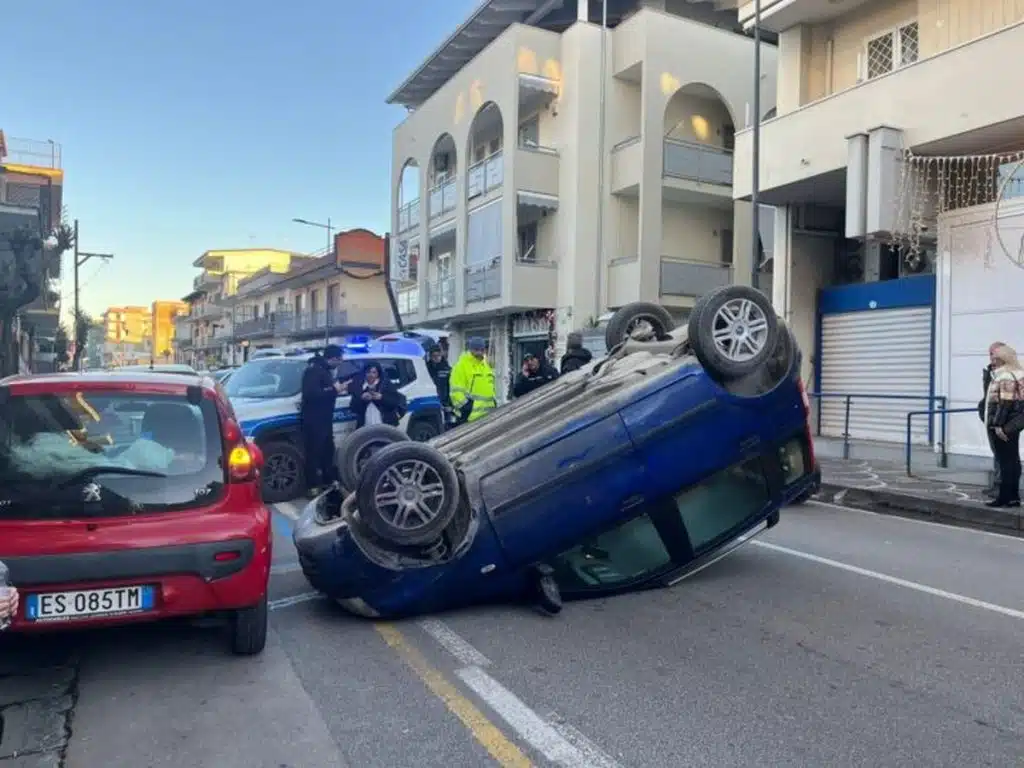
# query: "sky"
201, 124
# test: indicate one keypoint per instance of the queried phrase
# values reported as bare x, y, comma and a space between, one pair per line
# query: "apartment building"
341, 292
552, 168
31, 192
128, 335
209, 321
894, 165
164, 314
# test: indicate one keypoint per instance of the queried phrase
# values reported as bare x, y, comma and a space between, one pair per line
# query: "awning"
444, 228
538, 84
538, 200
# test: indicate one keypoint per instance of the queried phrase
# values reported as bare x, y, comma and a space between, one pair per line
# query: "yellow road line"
507, 754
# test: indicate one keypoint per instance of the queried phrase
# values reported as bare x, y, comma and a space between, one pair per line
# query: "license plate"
89, 603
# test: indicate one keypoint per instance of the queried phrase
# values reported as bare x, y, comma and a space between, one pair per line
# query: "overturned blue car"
635, 471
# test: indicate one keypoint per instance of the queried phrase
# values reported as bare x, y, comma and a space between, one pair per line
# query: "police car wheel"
408, 493
359, 446
283, 475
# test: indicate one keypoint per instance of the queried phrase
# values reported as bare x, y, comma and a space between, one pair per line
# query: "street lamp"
319, 225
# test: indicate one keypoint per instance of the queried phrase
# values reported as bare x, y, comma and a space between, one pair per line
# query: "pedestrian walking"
535, 374
576, 355
472, 383
986, 381
320, 390
375, 399
1004, 418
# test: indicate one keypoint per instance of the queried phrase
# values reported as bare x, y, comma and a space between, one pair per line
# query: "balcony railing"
697, 162
409, 215
274, 323
483, 281
41, 154
441, 293
485, 176
682, 277
320, 320
205, 278
442, 199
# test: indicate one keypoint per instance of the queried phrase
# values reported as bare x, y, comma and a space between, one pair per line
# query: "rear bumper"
188, 580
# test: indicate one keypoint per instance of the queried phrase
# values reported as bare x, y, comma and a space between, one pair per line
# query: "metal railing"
441, 199
943, 428
409, 215
41, 154
441, 293
697, 162
848, 398
486, 175
483, 281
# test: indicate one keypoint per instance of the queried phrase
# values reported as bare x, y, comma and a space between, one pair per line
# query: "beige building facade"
534, 190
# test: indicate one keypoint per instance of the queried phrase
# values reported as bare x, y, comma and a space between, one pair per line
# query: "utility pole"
80, 259
755, 174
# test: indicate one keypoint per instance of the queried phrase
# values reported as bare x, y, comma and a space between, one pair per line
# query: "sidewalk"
883, 486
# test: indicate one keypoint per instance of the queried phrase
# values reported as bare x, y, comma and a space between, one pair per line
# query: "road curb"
968, 514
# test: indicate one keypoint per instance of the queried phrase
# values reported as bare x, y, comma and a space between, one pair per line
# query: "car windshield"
267, 378
122, 452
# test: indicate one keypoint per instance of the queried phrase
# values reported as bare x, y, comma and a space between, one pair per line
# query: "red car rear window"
102, 453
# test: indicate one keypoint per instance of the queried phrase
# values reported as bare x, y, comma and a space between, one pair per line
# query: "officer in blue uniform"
320, 389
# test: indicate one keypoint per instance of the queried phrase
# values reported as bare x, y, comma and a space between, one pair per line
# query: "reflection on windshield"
719, 506
267, 378
626, 554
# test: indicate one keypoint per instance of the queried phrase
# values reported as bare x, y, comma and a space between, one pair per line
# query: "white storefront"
979, 300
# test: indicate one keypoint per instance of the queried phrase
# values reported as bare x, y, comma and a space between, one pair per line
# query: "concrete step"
925, 462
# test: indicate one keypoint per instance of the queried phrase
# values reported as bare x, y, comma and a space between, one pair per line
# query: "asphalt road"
839, 638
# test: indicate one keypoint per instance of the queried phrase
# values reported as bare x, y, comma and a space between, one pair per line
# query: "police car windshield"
267, 378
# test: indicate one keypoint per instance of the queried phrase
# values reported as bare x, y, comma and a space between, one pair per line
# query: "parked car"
637, 470
266, 394
131, 497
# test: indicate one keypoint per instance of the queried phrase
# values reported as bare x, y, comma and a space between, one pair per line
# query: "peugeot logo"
91, 493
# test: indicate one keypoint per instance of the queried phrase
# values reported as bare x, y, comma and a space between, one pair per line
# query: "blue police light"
358, 344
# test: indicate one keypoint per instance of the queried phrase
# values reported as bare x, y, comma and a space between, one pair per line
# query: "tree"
60, 345
83, 322
24, 275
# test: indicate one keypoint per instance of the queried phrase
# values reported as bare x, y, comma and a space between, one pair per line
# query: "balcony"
486, 176
276, 323
701, 163
409, 216
205, 280
681, 277
536, 169
441, 201
483, 281
810, 142
408, 301
441, 294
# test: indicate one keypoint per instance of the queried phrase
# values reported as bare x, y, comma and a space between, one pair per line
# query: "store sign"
531, 325
400, 260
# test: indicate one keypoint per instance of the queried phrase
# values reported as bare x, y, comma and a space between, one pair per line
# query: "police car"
266, 394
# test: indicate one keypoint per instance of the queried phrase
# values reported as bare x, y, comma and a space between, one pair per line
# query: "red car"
131, 497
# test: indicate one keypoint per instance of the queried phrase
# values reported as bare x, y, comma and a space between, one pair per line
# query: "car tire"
624, 322
726, 317
422, 430
357, 448
283, 476
249, 629
387, 490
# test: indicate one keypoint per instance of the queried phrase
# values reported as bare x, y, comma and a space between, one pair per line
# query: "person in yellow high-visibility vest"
471, 385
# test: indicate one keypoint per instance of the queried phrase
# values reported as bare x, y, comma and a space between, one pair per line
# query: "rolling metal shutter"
885, 352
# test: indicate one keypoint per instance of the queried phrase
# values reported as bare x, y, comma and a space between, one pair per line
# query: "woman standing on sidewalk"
1004, 417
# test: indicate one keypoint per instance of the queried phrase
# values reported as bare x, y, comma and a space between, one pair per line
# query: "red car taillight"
244, 459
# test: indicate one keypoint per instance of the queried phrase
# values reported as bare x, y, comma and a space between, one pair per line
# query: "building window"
727, 245
483, 242
529, 132
528, 243
892, 50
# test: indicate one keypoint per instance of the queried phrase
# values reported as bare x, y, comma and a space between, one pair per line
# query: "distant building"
164, 314
128, 335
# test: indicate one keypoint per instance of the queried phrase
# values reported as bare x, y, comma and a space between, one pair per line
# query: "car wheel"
422, 430
249, 629
359, 446
735, 333
283, 476
785, 359
639, 317
408, 493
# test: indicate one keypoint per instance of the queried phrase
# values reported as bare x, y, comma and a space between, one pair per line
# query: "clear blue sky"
199, 124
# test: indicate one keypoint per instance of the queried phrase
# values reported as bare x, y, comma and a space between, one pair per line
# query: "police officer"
316, 416
441, 372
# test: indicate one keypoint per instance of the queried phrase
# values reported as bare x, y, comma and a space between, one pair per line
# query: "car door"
583, 480
344, 421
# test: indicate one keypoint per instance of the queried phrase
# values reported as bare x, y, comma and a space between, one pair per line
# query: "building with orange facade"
164, 314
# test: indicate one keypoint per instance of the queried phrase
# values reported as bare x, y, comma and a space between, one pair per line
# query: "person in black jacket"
441, 373
576, 355
316, 417
375, 399
534, 375
986, 381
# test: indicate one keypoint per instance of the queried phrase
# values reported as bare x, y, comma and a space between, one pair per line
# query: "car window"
718, 508
267, 378
400, 372
52, 445
632, 552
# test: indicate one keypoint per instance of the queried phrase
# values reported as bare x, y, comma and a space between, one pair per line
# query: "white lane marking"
454, 644
593, 754
943, 526
287, 602
280, 570
530, 726
1013, 613
289, 509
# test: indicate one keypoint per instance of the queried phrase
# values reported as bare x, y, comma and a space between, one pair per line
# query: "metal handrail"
943, 454
848, 397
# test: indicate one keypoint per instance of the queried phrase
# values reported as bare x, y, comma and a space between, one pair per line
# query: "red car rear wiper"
86, 474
